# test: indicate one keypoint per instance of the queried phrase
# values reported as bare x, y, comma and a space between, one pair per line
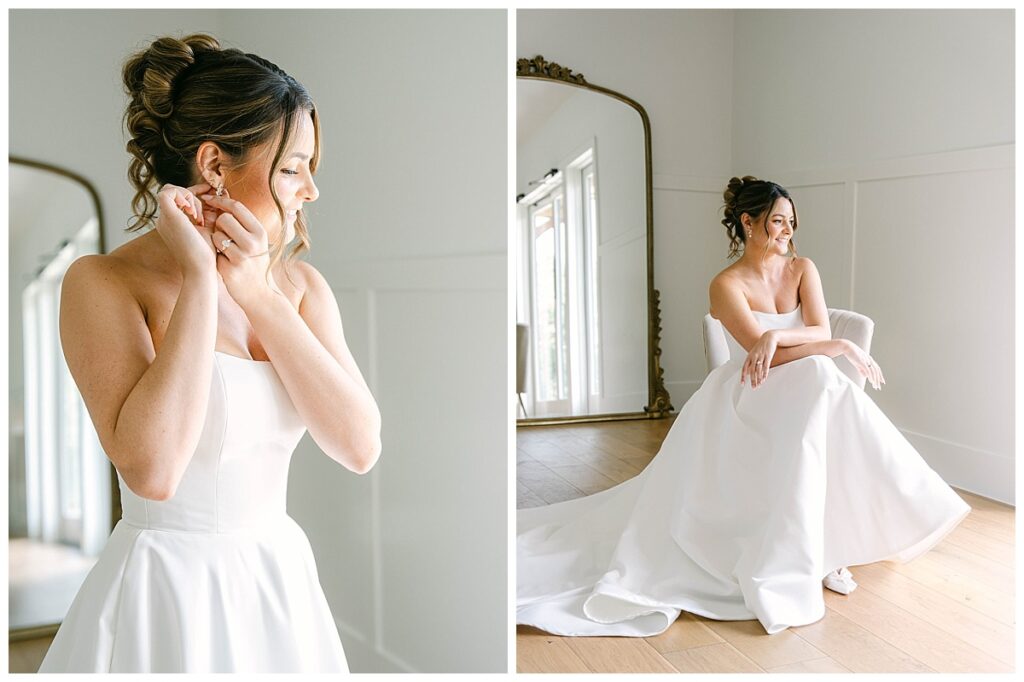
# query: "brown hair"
188, 91
754, 197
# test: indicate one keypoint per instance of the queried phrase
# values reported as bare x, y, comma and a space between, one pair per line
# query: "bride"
778, 473
203, 352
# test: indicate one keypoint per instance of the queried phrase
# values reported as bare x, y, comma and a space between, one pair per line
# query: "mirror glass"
581, 253
59, 502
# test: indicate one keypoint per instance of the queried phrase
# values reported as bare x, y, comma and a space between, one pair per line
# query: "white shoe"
840, 580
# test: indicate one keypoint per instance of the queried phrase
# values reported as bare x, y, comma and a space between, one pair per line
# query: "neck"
766, 265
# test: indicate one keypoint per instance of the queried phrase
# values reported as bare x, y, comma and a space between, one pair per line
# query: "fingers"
756, 369
184, 199
210, 215
229, 250
197, 209
188, 204
874, 374
194, 190
243, 216
231, 228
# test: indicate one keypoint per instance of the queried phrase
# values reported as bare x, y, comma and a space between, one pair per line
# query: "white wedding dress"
217, 578
754, 496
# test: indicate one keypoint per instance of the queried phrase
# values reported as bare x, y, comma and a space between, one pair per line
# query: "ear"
211, 161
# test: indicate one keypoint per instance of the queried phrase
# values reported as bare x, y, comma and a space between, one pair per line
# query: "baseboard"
976, 471
363, 657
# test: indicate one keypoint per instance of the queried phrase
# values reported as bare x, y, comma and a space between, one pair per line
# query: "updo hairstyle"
187, 91
754, 197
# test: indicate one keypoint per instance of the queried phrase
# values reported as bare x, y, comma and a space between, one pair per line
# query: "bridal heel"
840, 580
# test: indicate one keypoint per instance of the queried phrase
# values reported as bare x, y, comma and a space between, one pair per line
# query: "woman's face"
779, 221
293, 181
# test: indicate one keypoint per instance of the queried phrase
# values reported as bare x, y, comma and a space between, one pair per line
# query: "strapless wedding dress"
754, 496
218, 578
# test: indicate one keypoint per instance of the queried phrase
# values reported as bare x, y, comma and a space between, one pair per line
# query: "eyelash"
289, 172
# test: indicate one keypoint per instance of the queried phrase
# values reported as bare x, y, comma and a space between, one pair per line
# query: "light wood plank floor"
950, 610
25, 656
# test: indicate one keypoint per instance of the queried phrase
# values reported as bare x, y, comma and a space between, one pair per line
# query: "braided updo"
187, 91
754, 197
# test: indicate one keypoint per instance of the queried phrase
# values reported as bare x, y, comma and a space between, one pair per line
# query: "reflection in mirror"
581, 251
60, 504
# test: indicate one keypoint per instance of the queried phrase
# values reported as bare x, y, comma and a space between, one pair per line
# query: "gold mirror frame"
20, 634
659, 404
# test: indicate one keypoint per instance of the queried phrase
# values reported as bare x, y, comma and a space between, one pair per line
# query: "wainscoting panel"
413, 554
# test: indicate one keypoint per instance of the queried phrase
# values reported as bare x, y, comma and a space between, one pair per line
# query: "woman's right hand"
863, 362
183, 229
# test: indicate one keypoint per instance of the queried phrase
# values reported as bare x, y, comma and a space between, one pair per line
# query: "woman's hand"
863, 362
759, 359
242, 262
181, 225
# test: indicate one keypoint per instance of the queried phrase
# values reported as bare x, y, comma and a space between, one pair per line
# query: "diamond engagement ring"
226, 243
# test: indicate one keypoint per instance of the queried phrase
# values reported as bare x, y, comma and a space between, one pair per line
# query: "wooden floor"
950, 610
25, 656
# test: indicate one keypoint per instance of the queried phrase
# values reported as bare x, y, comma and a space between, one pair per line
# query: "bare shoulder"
95, 274
308, 279
315, 296
307, 272
98, 300
725, 282
803, 264
726, 286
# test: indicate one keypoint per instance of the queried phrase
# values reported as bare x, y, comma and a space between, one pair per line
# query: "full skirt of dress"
192, 601
755, 495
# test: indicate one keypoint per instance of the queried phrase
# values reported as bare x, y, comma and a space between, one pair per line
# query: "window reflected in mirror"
581, 253
60, 497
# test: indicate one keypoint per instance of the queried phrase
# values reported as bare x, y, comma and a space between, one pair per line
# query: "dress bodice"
237, 477
767, 321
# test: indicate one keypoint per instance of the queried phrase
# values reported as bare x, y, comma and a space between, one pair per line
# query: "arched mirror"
588, 321
62, 491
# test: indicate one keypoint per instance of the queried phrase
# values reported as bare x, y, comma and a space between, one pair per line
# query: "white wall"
409, 230
894, 132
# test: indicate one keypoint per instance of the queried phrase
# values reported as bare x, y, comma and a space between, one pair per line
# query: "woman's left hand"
242, 262
759, 359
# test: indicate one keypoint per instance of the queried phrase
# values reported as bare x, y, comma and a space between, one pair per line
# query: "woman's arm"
829, 347
863, 362
148, 407
307, 347
729, 306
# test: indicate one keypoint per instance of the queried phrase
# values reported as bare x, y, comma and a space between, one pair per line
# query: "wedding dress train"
754, 497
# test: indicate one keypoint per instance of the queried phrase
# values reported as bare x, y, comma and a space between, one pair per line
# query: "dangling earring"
749, 234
